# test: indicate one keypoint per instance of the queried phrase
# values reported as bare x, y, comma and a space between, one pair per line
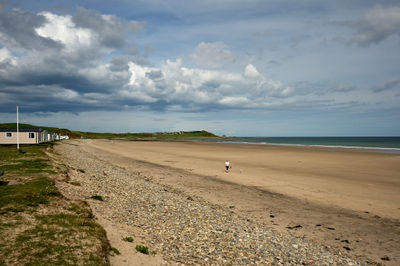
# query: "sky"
236, 68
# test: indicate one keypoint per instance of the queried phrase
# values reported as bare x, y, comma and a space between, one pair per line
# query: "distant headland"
96, 135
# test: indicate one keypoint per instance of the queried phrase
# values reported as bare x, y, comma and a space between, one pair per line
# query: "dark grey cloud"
53, 98
119, 63
154, 74
345, 89
52, 62
17, 28
378, 24
111, 29
392, 84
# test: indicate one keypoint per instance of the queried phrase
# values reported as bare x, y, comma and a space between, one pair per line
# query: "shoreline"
346, 148
372, 149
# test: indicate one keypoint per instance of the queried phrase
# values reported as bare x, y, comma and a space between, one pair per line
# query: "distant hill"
93, 135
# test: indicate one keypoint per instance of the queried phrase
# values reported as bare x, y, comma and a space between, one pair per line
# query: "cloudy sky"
244, 68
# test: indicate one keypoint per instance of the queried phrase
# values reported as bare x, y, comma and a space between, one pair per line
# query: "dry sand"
340, 198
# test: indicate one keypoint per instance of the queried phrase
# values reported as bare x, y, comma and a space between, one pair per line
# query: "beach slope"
346, 200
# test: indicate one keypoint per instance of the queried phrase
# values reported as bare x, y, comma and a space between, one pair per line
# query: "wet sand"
342, 199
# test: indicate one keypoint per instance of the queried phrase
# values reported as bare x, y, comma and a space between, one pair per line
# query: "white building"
26, 136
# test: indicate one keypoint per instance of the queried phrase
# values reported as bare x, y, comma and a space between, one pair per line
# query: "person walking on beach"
227, 166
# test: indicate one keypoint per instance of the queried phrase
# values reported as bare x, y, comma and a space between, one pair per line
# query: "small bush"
114, 251
81, 170
142, 249
128, 239
97, 197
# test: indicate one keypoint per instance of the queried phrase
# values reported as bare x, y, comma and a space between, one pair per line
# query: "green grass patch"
128, 239
30, 151
37, 225
26, 167
83, 212
114, 251
58, 239
142, 249
33, 161
19, 198
97, 197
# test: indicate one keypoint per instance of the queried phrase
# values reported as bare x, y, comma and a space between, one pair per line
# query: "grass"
142, 249
97, 197
18, 198
59, 238
128, 239
31, 151
38, 226
114, 251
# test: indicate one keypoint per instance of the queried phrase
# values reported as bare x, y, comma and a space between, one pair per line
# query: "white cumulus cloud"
64, 30
251, 72
174, 84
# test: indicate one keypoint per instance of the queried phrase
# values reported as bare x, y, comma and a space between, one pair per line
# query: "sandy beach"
342, 199
360, 181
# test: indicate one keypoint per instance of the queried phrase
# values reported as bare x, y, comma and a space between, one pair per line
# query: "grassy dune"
37, 224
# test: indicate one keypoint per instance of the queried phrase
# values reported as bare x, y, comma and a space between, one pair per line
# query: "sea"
375, 144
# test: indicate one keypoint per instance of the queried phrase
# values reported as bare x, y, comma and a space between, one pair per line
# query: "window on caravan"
9, 134
31, 135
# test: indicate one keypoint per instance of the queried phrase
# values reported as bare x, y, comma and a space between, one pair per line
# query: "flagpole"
17, 130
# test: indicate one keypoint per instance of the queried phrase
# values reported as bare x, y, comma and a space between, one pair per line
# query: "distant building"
27, 136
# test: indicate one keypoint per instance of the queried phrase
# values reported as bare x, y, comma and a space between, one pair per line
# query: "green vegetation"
128, 239
114, 251
27, 166
142, 249
97, 197
33, 152
58, 239
93, 135
18, 198
38, 226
